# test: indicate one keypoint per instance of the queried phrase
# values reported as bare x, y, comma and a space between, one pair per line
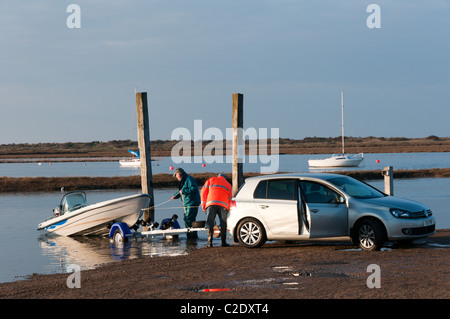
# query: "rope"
173, 207
182, 200
160, 204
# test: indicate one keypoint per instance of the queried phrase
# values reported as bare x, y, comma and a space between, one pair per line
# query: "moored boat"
135, 162
339, 160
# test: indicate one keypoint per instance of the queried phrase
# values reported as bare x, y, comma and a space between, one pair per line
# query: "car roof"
322, 176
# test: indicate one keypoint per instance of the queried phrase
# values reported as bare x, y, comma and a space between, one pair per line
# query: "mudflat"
308, 270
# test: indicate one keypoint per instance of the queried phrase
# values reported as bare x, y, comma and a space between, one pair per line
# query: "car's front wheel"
251, 233
369, 235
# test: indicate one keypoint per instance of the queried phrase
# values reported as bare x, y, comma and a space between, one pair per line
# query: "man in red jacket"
216, 195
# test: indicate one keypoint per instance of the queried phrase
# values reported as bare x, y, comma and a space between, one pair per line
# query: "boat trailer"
121, 232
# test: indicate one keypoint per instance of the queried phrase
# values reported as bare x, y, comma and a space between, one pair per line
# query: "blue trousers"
190, 215
211, 213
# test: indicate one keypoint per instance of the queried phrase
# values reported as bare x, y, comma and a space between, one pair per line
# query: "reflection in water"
90, 252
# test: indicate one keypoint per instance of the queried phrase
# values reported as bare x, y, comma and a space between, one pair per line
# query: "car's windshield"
355, 188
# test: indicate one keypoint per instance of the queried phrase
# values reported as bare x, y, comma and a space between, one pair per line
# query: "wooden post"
238, 143
388, 173
144, 151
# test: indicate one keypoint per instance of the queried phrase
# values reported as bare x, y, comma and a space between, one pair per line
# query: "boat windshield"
73, 201
356, 188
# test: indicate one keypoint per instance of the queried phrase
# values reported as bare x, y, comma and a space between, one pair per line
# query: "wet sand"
313, 270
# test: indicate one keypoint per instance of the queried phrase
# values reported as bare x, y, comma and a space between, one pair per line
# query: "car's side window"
277, 189
282, 189
261, 190
318, 193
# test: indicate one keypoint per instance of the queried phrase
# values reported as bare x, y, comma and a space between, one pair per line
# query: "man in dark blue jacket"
190, 196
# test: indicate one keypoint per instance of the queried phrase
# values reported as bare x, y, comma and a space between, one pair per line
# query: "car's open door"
323, 211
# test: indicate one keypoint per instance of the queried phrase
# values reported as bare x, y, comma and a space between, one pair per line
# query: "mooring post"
388, 173
238, 143
144, 151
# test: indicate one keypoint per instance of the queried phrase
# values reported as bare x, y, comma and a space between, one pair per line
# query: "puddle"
359, 249
282, 268
438, 245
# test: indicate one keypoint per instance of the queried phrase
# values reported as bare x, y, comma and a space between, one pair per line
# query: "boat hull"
130, 163
95, 219
337, 161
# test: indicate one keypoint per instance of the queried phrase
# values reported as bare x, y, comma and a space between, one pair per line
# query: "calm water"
24, 251
287, 163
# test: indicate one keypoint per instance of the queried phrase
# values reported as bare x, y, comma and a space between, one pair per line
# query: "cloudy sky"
290, 59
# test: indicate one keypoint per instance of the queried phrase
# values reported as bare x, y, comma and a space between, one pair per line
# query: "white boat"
134, 162
75, 217
339, 160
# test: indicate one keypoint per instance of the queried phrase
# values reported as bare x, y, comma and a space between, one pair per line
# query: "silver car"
316, 205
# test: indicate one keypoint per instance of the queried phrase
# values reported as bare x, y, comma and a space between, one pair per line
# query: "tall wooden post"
238, 143
144, 151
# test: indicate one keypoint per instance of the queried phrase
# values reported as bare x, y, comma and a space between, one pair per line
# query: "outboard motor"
57, 211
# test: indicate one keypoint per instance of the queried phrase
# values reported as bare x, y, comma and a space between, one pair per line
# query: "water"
24, 252
287, 163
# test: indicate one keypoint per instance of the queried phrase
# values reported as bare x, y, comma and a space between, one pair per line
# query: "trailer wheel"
118, 237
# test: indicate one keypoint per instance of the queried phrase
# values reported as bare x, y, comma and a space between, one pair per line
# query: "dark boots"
191, 235
210, 237
223, 236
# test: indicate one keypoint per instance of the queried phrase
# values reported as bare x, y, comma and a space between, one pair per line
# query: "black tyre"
251, 233
118, 237
198, 224
369, 235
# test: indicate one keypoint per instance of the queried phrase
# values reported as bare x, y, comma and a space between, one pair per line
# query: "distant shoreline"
51, 184
115, 150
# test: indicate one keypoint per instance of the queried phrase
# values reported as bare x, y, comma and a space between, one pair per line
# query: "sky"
289, 58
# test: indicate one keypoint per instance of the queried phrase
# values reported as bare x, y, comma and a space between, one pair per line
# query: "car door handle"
264, 206
314, 210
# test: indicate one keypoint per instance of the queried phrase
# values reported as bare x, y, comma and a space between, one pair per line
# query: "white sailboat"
339, 160
133, 162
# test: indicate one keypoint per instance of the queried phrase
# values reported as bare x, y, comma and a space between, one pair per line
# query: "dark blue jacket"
189, 188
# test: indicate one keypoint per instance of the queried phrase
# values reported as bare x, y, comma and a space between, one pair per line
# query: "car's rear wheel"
251, 233
370, 235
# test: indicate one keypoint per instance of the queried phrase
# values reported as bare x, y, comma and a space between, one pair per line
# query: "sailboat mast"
342, 116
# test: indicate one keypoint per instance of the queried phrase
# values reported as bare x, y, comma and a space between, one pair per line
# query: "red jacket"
216, 191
